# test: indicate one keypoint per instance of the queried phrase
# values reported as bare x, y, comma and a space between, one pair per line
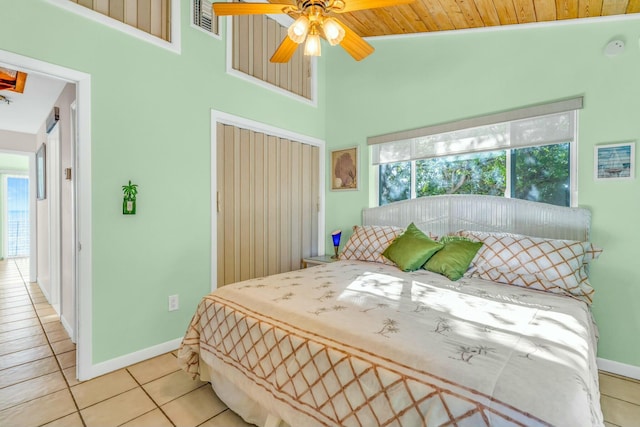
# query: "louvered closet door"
268, 203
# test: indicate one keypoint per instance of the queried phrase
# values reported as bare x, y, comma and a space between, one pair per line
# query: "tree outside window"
395, 182
540, 173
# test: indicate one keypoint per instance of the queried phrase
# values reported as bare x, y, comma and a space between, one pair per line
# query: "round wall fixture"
614, 47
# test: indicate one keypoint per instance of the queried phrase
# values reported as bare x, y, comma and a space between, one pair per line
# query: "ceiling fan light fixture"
333, 31
312, 46
313, 19
299, 29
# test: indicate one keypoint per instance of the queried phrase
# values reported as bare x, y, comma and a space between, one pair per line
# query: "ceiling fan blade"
224, 9
352, 5
285, 51
354, 44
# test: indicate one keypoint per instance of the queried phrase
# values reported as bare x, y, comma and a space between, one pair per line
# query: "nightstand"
317, 260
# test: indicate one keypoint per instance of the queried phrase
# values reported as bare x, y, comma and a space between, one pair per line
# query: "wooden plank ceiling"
440, 15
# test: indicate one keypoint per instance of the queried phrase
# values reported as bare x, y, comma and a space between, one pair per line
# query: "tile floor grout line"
216, 415
149, 396
57, 361
41, 329
28, 379
141, 415
35, 398
35, 360
24, 349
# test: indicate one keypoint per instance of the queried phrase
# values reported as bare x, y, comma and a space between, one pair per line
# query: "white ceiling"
28, 111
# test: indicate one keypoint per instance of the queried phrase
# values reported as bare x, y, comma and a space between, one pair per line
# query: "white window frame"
284, 20
174, 45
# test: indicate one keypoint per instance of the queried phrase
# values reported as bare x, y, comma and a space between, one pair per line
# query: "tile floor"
37, 374
38, 385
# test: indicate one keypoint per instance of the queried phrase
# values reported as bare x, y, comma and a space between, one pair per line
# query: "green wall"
14, 162
412, 82
151, 114
151, 124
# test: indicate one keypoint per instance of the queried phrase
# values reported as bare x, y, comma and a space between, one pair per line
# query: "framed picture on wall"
615, 161
344, 169
41, 172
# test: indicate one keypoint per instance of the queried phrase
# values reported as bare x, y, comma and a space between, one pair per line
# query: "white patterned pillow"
368, 242
557, 266
591, 252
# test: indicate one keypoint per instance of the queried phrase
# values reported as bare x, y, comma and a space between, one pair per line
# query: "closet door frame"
219, 117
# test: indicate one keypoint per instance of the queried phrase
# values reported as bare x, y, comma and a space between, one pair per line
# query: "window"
528, 158
153, 17
203, 16
17, 220
254, 40
156, 22
541, 174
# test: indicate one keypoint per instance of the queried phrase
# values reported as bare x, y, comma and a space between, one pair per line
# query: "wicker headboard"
443, 214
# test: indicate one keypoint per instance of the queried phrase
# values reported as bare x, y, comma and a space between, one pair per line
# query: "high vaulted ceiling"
440, 15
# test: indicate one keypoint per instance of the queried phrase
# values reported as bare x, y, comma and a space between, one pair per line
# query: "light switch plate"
174, 302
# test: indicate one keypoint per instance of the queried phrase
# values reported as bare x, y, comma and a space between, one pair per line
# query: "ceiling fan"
313, 19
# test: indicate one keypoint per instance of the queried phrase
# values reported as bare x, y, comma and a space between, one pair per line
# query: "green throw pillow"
411, 249
454, 259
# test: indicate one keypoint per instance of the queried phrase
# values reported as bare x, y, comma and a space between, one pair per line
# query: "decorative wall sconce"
336, 242
129, 203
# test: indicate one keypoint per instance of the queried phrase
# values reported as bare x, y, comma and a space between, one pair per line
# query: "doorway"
79, 248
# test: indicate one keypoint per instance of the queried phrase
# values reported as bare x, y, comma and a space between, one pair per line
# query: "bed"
359, 342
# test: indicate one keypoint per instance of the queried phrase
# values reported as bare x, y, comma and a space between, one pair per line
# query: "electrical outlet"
174, 302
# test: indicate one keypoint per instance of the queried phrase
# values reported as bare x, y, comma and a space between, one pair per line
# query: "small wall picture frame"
614, 161
344, 169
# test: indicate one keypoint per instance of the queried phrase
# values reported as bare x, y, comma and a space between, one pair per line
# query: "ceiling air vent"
203, 16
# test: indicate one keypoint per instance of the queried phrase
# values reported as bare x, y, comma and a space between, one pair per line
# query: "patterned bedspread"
363, 344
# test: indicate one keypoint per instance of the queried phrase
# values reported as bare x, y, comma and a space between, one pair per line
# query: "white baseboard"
618, 368
44, 292
129, 359
67, 327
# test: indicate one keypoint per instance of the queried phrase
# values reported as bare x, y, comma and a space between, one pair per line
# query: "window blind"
531, 126
151, 16
255, 39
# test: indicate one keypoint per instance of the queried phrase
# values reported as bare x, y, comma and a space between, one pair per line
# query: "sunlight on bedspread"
509, 314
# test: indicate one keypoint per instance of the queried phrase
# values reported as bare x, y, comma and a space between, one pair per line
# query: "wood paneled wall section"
255, 39
152, 16
268, 195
